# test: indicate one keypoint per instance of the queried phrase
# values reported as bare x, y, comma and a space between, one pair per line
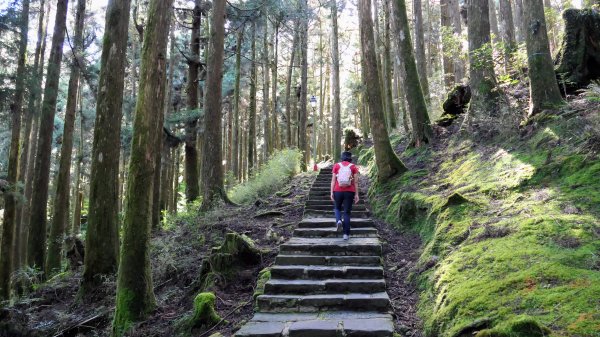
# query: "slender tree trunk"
252, 112
192, 190
520, 28
388, 72
102, 237
386, 160
508, 32
135, 297
493, 21
288, 91
274, 100
543, 87
235, 165
9, 226
77, 193
166, 165
420, 48
212, 170
447, 48
459, 62
335, 84
60, 217
422, 132
266, 86
302, 113
485, 95
39, 203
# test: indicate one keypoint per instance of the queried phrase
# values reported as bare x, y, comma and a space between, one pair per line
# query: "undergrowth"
511, 232
272, 176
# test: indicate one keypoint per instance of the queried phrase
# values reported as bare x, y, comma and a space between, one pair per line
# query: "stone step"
329, 222
333, 233
332, 246
328, 286
326, 193
326, 201
324, 272
322, 324
309, 303
327, 260
310, 213
329, 207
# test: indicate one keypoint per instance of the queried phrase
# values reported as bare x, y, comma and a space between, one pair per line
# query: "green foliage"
269, 178
511, 231
592, 93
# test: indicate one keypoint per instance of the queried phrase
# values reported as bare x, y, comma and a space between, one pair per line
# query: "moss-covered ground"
511, 230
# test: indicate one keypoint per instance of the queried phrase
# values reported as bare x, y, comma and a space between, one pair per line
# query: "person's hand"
356, 198
331, 197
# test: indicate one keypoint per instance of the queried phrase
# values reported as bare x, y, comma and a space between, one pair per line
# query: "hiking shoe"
339, 226
346, 237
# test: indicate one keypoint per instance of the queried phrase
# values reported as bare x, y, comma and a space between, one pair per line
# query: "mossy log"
578, 60
455, 104
238, 251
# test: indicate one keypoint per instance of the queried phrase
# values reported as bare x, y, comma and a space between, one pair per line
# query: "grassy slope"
521, 249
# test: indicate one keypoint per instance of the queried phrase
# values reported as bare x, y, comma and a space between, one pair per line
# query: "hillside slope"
511, 227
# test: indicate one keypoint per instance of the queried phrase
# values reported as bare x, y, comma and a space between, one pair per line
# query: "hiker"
344, 191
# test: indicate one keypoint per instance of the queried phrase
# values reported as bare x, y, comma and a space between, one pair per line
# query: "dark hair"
347, 156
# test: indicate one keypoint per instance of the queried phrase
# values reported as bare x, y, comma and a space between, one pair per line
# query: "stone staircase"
323, 286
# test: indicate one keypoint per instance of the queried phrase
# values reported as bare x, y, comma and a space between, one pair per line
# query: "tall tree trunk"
212, 170
335, 84
508, 32
493, 21
235, 149
386, 160
388, 72
289, 96
447, 45
60, 218
543, 87
485, 95
9, 226
135, 297
167, 158
77, 193
102, 237
274, 100
459, 62
422, 132
192, 190
520, 28
37, 230
266, 87
26, 161
252, 110
420, 48
302, 113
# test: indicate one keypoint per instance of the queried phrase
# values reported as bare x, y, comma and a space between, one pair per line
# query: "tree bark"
520, 29
485, 95
39, 203
422, 132
447, 48
388, 72
508, 32
192, 190
235, 166
9, 225
388, 164
274, 81
212, 170
302, 113
102, 237
335, 84
60, 217
459, 62
266, 87
288, 91
252, 110
543, 87
420, 48
135, 297
493, 21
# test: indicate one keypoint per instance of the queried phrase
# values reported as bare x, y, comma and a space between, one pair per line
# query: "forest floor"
177, 251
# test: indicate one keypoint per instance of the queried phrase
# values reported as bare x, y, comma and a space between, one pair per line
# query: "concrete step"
325, 193
323, 324
328, 286
329, 222
327, 260
311, 213
326, 201
310, 303
324, 272
329, 207
334, 246
333, 233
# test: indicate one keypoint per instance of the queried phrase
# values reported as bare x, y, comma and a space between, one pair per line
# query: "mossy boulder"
455, 104
263, 277
521, 327
455, 199
203, 316
237, 252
